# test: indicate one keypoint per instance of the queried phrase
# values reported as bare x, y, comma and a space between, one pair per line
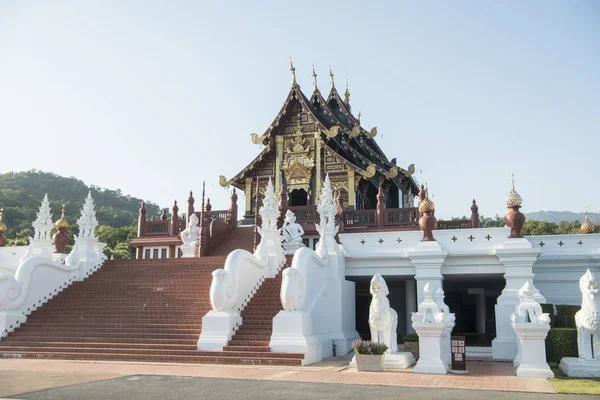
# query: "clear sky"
153, 97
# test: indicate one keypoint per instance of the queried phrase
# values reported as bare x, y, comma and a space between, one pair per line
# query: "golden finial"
293, 71
359, 117
62, 223
3, 227
314, 74
587, 226
331, 76
347, 93
513, 199
426, 204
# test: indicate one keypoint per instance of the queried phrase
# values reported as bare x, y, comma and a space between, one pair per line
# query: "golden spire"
3, 227
587, 226
331, 76
513, 199
293, 72
347, 94
62, 223
314, 74
358, 117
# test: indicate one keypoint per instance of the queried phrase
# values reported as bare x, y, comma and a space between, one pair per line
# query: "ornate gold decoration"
293, 72
298, 163
333, 132
587, 226
370, 171
337, 185
393, 173
409, 172
258, 139
224, 182
331, 76
513, 199
372, 133
355, 131
314, 74
62, 223
426, 204
3, 227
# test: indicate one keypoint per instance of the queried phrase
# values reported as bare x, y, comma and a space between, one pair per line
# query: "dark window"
147, 255
163, 253
179, 253
298, 197
155, 253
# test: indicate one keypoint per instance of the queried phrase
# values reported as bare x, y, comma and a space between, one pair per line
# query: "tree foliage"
22, 192
533, 227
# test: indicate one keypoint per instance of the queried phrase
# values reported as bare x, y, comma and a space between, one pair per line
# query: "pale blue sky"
153, 97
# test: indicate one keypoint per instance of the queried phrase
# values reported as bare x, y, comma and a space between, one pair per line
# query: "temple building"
312, 137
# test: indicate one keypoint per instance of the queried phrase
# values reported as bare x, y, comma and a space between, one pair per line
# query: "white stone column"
518, 258
428, 258
410, 294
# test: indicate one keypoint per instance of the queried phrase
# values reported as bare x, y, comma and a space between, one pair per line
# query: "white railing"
36, 281
304, 282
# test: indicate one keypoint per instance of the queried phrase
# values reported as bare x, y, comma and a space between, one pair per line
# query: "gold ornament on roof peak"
62, 223
513, 199
3, 227
331, 76
587, 226
293, 71
314, 74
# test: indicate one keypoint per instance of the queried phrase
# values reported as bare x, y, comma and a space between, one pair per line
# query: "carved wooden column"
190, 209
318, 171
142, 220
474, 215
278, 162
175, 220
380, 216
283, 205
234, 209
351, 189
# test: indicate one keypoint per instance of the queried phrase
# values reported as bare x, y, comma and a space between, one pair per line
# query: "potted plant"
411, 343
369, 355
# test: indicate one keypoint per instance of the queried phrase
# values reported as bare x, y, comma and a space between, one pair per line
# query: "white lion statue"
383, 320
587, 319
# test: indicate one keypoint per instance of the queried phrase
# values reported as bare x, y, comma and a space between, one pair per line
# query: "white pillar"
410, 289
518, 258
428, 259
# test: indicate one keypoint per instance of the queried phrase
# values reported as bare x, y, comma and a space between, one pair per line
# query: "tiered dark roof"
342, 137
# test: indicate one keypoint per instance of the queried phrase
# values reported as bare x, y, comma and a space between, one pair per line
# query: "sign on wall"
459, 354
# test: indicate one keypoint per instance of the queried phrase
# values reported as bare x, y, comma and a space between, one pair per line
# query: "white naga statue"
292, 231
192, 232
383, 320
587, 319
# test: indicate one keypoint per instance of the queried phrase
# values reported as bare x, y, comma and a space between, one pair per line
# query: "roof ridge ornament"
314, 74
347, 94
331, 76
293, 72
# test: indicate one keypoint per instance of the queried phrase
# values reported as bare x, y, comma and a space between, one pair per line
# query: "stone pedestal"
290, 248
217, 329
518, 257
531, 362
430, 348
578, 368
188, 250
400, 360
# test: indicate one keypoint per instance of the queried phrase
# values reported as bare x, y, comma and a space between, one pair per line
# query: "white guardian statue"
189, 237
383, 320
587, 320
292, 233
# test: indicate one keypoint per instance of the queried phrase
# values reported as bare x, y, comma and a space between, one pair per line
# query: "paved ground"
179, 387
94, 380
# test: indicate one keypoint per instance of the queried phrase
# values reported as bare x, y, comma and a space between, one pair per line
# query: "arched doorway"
298, 197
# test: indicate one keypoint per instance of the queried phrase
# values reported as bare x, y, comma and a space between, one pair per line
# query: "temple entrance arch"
298, 197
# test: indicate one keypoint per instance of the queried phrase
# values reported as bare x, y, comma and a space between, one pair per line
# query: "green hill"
22, 192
